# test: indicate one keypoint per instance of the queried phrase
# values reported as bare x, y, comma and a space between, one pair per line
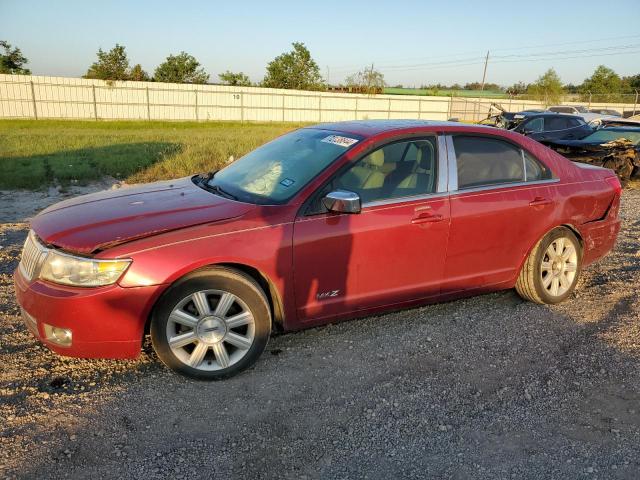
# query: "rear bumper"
599, 239
106, 322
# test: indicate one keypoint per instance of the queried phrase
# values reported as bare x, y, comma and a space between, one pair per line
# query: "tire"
549, 278
211, 325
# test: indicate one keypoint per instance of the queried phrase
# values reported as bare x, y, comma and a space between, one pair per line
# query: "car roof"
370, 128
555, 115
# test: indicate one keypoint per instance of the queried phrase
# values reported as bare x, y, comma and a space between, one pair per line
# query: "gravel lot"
487, 387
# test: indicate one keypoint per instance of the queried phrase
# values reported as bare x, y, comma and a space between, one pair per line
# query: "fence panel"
23, 96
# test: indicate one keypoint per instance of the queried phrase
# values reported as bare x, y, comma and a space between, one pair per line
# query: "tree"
631, 83
517, 88
12, 61
547, 88
237, 79
138, 74
295, 69
181, 68
111, 65
603, 80
367, 81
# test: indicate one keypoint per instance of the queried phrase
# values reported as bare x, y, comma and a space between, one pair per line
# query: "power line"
579, 42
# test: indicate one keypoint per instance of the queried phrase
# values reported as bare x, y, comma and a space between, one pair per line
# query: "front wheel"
551, 272
211, 325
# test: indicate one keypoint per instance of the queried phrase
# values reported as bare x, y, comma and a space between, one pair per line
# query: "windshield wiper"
221, 192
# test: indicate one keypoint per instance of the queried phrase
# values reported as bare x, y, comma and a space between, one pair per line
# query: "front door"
392, 252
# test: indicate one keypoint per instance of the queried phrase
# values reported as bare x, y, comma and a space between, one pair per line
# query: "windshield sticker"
340, 141
287, 182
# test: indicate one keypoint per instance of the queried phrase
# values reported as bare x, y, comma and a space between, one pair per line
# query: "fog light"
57, 335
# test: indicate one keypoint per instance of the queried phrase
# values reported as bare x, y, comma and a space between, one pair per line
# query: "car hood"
94, 222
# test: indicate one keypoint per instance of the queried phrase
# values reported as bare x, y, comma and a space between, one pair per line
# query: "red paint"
388, 256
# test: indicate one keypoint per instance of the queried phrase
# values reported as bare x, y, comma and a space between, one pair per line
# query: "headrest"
376, 158
425, 156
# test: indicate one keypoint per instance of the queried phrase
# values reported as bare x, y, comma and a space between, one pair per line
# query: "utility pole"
369, 80
328, 76
484, 74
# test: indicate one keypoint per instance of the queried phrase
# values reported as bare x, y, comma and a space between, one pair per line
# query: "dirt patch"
22, 205
487, 387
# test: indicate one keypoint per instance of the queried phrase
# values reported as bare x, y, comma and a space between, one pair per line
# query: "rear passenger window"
487, 161
484, 161
552, 123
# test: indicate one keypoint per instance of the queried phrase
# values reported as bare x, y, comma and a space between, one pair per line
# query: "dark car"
617, 148
604, 135
553, 126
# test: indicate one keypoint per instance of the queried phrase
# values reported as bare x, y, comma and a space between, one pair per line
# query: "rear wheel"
551, 272
211, 325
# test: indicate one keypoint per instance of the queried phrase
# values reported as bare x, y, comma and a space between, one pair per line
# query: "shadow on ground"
82, 165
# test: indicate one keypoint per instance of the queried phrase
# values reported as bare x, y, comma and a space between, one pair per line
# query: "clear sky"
411, 42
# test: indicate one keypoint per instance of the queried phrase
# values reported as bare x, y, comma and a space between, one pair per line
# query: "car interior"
401, 169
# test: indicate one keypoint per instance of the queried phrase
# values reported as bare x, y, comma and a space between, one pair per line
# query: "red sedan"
325, 223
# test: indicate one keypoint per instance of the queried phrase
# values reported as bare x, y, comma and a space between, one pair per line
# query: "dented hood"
100, 220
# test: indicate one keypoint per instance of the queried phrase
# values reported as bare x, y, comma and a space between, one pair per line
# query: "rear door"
500, 205
393, 251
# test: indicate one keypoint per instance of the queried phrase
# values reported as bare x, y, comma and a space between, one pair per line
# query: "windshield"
603, 136
581, 109
276, 171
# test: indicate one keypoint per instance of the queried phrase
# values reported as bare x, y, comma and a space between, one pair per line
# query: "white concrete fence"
41, 97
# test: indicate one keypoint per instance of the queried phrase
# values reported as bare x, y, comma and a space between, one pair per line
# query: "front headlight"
81, 272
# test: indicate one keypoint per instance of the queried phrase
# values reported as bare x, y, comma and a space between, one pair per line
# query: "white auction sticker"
340, 141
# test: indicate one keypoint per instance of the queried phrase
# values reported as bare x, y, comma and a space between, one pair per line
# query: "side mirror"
342, 201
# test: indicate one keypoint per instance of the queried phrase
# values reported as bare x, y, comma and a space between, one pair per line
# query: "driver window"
401, 169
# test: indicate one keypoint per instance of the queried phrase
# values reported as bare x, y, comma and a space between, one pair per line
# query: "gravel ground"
487, 387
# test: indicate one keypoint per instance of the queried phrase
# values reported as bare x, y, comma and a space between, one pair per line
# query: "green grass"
444, 93
35, 154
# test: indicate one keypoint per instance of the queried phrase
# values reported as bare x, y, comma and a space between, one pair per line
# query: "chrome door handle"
539, 201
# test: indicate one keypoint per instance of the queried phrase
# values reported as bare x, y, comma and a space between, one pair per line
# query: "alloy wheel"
210, 330
559, 266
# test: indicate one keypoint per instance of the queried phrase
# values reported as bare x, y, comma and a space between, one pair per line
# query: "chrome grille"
33, 254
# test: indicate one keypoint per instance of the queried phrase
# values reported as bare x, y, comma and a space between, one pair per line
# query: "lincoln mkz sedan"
325, 223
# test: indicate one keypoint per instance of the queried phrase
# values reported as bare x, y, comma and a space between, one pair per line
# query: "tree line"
296, 69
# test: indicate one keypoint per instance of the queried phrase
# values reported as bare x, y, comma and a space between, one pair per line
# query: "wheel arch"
265, 283
569, 226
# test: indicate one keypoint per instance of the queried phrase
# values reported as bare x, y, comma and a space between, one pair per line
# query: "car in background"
570, 109
327, 222
617, 148
553, 126
606, 111
605, 135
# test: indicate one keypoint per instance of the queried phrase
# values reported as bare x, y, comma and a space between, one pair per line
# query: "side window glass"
555, 123
486, 161
401, 169
535, 125
534, 169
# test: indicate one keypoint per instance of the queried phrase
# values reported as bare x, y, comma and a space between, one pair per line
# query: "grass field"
37, 154
444, 93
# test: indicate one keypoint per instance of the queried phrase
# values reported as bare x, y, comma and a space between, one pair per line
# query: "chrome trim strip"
452, 183
442, 165
504, 185
416, 198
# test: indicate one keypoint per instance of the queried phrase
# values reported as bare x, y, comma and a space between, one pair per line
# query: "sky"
410, 42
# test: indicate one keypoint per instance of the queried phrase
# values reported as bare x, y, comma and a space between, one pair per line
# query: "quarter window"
484, 161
